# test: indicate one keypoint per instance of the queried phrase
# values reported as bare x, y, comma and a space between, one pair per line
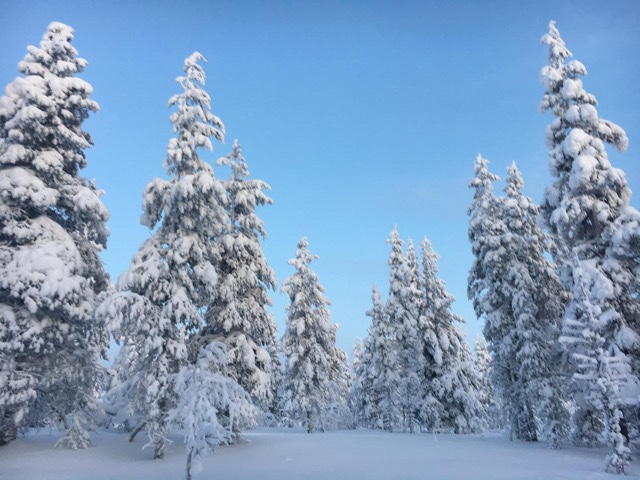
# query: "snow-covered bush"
205, 395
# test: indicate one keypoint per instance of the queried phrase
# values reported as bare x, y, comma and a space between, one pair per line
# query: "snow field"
281, 454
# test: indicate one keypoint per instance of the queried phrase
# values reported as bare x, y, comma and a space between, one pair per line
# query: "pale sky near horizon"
360, 114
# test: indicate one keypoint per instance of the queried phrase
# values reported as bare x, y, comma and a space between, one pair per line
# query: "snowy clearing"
292, 454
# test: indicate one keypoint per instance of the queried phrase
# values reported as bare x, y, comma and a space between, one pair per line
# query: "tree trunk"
137, 430
526, 428
8, 429
158, 452
189, 463
309, 422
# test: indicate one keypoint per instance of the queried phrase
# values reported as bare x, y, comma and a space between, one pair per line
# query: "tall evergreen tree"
357, 355
486, 288
273, 348
537, 302
487, 397
379, 380
452, 385
311, 388
587, 208
517, 291
403, 309
339, 411
360, 388
52, 229
172, 276
238, 316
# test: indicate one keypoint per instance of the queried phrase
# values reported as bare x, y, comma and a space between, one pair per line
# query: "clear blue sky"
359, 114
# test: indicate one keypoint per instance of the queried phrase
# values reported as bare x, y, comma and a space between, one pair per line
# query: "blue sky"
359, 114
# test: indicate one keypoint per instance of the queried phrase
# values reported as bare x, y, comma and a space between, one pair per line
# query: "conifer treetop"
588, 191
236, 161
55, 55
193, 121
482, 180
245, 195
515, 183
566, 97
303, 259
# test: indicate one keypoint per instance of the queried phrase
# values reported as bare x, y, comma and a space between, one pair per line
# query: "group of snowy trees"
415, 371
563, 336
515, 290
557, 287
198, 348
185, 293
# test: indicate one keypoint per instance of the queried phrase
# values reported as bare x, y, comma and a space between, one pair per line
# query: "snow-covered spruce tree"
339, 412
485, 290
587, 208
273, 414
357, 355
52, 229
172, 276
516, 291
537, 302
451, 393
487, 397
488, 290
403, 309
356, 397
382, 407
310, 389
610, 371
238, 315
366, 409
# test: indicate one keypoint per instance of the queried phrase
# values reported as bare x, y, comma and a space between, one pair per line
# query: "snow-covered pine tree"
537, 302
53, 227
382, 406
485, 290
339, 411
356, 395
587, 208
403, 309
313, 371
608, 371
357, 355
516, 291
451, 394
172, 276
365, 410
273, 348
238, 316
486, 397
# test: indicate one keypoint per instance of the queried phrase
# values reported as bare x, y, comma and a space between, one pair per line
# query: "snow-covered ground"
281, 454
